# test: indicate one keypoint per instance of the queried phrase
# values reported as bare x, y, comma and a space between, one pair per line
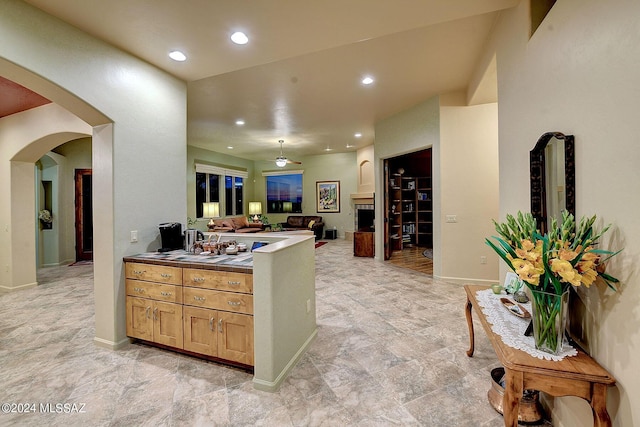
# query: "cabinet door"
235, 337
167, 324
139, 318
200, 334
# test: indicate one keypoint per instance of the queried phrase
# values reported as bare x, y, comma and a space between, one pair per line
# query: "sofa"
235, 225
299, 222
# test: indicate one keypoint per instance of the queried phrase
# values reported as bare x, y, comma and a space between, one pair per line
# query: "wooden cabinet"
218, 333
207, 312
218, 317
154, 297
154, 321
363, 244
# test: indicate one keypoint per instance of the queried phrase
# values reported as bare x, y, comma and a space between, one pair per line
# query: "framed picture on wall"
328, 196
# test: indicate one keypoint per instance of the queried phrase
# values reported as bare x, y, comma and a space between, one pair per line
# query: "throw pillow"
311, 223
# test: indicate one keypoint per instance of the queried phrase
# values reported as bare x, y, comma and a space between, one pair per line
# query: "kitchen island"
255, 309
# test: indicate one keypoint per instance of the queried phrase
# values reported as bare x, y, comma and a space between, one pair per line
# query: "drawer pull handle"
198, 279
139, 272
234, 303
211, 320
165, 294
220, 325
165, 275
139, 290
197, 298
232, 283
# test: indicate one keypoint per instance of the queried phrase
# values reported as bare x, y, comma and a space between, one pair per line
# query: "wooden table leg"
599, 406
470, 324
513, 385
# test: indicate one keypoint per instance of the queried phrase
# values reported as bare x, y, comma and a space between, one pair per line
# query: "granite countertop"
240, 263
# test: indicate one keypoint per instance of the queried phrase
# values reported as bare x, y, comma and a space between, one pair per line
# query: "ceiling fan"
281, 160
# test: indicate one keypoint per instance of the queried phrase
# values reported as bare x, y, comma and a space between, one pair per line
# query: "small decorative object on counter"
521, 296
496, 288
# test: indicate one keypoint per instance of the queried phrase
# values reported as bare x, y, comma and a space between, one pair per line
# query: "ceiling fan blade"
294, 162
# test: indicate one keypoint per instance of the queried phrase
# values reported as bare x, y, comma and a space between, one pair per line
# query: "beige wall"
138, 115
412, 130
47, 126
327, 167
465, 179
70, 156
578, 74
468, 189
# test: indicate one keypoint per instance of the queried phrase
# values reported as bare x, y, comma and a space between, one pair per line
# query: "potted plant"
549, 264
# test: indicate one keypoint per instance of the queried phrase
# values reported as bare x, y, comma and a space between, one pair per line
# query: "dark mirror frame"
538, 181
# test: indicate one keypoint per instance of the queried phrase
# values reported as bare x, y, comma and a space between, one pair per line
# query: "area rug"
428, 253
87, 262
318, 244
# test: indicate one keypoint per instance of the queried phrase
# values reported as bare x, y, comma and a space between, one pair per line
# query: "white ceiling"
298, 79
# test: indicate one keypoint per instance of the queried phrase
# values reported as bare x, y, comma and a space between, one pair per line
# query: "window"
225, 186
284, 192
233, 195
207, 190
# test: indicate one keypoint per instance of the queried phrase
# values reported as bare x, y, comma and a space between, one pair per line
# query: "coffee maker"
171, 236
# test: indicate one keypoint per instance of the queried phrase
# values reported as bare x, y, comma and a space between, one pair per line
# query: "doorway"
409, 210
83, 215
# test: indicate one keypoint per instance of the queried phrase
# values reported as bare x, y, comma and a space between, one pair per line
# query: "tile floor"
390, 351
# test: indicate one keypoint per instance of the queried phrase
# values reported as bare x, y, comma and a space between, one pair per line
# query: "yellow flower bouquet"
549, 264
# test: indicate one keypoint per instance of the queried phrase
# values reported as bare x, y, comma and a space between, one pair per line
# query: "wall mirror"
552, 173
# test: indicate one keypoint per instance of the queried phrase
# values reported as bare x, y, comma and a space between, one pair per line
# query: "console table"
579, 375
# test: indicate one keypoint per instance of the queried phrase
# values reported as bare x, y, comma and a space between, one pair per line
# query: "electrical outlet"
134, 236
483, 260
452, 218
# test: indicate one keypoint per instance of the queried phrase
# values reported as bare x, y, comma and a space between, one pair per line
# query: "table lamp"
255, 209
211, 210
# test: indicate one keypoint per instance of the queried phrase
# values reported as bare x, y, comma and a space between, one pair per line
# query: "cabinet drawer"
154, 291
153, 273
227, 301
224, 280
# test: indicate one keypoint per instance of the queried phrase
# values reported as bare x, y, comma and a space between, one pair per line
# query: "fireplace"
365, 215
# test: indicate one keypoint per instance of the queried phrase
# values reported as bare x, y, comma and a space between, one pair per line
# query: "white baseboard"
111, 345
6, 289
273, 386
466, 281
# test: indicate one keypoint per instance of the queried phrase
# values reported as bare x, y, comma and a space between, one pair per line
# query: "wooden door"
84, 215
235, 337
139, 319
167, 324
200, 334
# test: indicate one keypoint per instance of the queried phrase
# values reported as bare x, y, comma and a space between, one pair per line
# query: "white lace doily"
511, 328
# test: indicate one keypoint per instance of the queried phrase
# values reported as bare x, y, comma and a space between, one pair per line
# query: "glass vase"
549, 320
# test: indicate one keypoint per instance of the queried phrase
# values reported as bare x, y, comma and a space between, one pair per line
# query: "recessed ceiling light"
327, 149
176, 55
357, 135
349, 146
239, 38
229, 147
240, 122
367, 80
